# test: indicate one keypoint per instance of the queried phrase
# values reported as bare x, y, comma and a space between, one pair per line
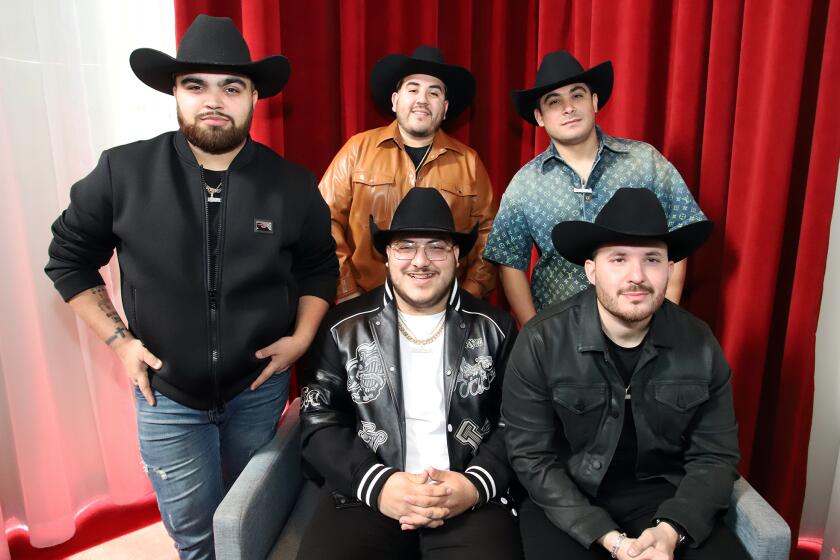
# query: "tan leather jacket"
372, 173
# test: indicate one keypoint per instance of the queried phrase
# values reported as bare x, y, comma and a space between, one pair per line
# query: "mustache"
214, 113
636, 288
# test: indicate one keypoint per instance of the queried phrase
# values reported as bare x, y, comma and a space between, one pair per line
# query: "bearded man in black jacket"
618, 403
400, 408
227, 267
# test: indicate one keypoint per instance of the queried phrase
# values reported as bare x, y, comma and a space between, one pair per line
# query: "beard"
215, 139
433, 299
635, 312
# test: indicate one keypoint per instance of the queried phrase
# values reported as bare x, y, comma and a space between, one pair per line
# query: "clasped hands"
655, 543
426, 499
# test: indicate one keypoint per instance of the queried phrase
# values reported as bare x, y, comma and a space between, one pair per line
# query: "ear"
538, 116
394, 97
445, 108
456, 250
595, 102
589, 268
254, 97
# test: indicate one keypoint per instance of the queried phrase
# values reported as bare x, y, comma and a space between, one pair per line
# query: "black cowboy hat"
560, 68
391, 68
631, 214
211, 44
423, 210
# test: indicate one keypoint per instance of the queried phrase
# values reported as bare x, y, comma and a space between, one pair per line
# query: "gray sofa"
267, 509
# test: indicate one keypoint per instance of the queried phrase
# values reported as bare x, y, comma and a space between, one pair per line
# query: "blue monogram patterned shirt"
541, 194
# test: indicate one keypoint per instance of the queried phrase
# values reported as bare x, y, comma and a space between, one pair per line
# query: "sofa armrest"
252, 514
761, 530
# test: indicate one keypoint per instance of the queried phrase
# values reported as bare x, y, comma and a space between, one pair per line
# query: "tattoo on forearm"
104, 304
118, 333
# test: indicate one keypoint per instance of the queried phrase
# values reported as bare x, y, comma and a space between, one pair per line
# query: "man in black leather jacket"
618, 404
401, 404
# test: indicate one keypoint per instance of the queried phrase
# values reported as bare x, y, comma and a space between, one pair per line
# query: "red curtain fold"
740, 96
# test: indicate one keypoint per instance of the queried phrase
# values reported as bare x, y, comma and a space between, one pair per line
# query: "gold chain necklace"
412, 338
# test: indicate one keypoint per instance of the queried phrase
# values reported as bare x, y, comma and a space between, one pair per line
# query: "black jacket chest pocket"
580, 409
675, 406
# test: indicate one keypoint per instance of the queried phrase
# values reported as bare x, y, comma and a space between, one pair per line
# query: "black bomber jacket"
147, 201
563, 408
353, 426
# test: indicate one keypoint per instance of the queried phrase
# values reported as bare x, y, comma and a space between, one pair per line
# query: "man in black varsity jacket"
401, 405
227, 267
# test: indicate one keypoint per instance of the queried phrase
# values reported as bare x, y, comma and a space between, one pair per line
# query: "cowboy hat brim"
460, 84
464, 241
158, 70
576, 241
599, 79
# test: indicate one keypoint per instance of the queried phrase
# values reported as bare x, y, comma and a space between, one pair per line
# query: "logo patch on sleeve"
263, 226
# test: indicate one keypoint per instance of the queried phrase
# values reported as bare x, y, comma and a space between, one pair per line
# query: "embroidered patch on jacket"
473, 343
371, 436
475, 378
469, 433
310, 397
365, 374
262, 225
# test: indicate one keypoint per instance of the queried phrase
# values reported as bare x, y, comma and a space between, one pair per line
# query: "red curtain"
738, 95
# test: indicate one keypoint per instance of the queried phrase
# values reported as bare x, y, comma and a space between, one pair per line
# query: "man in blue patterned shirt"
572, 180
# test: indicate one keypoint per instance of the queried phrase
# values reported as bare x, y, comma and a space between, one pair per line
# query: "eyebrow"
413, 83
226, 81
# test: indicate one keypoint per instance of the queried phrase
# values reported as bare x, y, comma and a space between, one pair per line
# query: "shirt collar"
604, 141
442, 141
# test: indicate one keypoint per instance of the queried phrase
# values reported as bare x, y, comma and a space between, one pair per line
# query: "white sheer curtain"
67, 432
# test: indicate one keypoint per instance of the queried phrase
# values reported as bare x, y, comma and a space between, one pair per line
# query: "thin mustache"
636, 288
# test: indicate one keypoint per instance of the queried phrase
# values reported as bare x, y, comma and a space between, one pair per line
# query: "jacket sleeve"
315, 267
481, 274
336, 188
536, 446
329, 438
83, 238
489, 469
711, 458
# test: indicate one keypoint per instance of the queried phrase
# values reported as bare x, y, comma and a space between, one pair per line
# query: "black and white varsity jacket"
352, 404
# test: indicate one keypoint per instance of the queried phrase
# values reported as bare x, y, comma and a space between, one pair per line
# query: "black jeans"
360, 533
632, 504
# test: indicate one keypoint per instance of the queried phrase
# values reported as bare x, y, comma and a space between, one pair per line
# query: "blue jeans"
193, 456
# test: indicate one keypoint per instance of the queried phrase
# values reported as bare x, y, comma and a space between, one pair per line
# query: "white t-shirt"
423, 396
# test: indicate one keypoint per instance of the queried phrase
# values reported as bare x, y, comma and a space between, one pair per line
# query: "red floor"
96, 525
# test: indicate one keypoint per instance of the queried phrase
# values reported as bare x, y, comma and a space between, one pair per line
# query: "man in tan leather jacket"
375, 169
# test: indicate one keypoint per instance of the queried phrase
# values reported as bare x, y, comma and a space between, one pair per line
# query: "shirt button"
596, 464
449, 371
378, 323
449, 427
391, 368
462, 325
503, 500
588, 197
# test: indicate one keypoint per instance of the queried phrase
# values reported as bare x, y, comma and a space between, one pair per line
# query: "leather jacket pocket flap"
681, 396
580, 399
457, 190
373, 179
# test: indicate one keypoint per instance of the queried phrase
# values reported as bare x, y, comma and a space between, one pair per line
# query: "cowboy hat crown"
391, 68
423, 210
210, 44
631, 214
557, 69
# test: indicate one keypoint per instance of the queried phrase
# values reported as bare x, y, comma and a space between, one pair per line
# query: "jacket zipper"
212, 292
